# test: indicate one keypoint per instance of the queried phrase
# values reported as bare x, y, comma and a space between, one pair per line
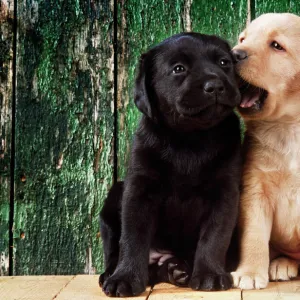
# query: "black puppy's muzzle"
213, 87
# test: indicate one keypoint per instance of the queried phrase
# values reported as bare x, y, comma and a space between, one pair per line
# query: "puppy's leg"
255, 230
110, 228
209, 265
139, 212
283, 268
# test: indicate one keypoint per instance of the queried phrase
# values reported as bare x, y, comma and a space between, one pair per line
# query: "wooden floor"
83, 287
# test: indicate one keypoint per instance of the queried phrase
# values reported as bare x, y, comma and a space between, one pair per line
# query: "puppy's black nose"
239, 55
213, 86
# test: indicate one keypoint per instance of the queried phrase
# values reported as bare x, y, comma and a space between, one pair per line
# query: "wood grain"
85, 288
64, 134
6, 85
30, 287
288, 290
166, 291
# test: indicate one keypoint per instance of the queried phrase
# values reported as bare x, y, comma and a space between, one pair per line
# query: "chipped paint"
6, 58
65, 89
261, 7
187, 15
4, 263
89, 269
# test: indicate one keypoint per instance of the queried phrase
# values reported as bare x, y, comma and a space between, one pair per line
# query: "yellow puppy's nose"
239, 55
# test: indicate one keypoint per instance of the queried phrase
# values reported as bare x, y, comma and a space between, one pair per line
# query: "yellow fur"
270, 201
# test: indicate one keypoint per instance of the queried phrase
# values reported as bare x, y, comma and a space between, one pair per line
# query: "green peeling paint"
278, 6
6, 58
65, 114
64, 135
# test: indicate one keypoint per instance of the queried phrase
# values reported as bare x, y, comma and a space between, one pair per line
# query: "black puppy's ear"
142, 86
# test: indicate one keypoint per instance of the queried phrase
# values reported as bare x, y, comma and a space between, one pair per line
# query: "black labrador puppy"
173, 217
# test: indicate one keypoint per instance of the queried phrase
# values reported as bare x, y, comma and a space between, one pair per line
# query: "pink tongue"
249, 100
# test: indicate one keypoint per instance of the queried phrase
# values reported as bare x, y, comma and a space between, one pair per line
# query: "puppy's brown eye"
277, 46
178, 69
241, 39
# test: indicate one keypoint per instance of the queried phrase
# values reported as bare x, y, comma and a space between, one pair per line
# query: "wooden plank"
6, 59
223, 18
165, 291
141, 25
288, 290
32, 287
64, 134
85, 287
278, 6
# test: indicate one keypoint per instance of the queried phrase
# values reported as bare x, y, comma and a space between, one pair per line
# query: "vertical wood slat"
64, 134
6, 75
142, 24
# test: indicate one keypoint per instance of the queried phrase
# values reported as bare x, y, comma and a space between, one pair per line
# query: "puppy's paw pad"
249, 281
283, 268
119, 286
178, 274
211, 282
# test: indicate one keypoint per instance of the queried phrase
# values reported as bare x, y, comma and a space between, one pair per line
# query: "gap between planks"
63, 287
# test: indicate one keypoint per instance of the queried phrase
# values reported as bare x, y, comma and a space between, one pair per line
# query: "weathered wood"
223, 18
6, 59
83, 287
278, 6
142, 24
276, 291
30, 287
86, 287
64, 134
166, 291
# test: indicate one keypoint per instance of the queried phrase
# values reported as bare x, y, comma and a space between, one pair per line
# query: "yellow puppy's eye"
277, 46
241, 39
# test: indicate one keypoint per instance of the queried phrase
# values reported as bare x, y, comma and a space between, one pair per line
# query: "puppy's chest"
182, 213
281, 162
188, 162
281, 148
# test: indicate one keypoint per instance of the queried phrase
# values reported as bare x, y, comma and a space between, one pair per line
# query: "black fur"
181, 191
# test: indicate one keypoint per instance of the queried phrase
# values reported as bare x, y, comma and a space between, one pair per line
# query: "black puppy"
178, 205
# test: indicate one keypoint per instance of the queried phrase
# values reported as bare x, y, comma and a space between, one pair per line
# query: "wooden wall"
67, 70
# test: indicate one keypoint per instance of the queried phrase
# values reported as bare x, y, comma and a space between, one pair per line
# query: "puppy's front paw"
103, 277
283, 268
107, 273
178, 273
249, 280
211, 282
121, 285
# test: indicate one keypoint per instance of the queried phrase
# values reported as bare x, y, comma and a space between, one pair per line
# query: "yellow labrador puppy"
268, 55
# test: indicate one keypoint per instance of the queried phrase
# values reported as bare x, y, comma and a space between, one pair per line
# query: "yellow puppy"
268, 55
